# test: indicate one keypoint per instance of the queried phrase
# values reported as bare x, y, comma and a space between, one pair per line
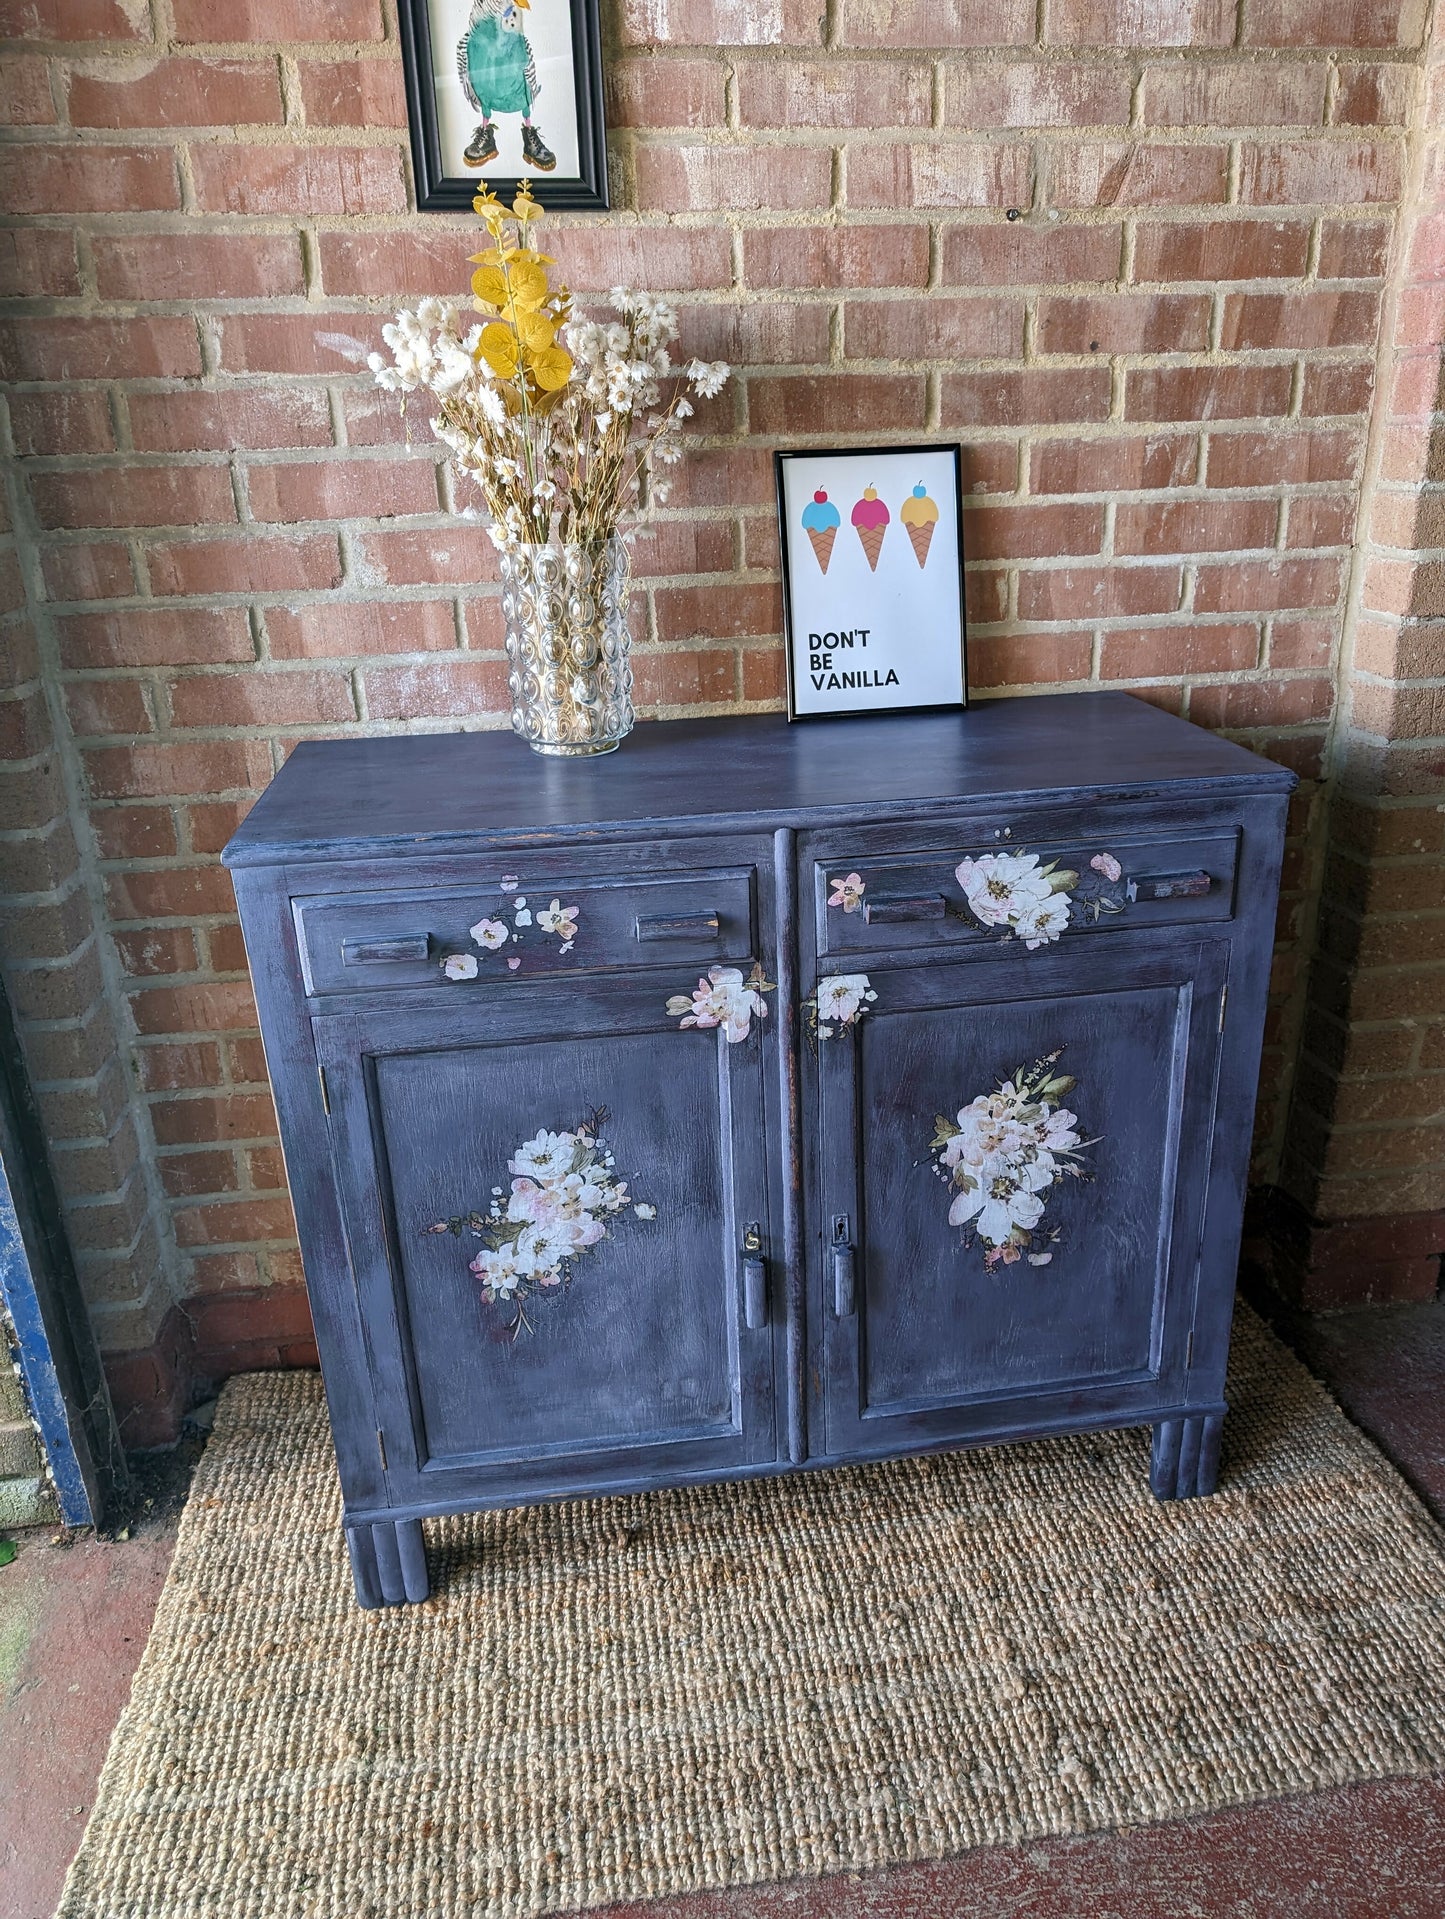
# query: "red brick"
712, 23
1022, 398
1332, 23
645, 91
1337, 387
1331, 173
1016, 255
1301, 643
1327, 520
1032, 659
152, 636
833, 402
236, 1221
683, 677
1425, 259
250, 563
91, 349
459, 688
963, 328
326, 342
1098, 593
754, 179
171, 1068
1207, 392
172, 892
763, 333
937, 23
1285, 321
1420, 319
278, 21
834, 257
25, 98
134, 832
72, 20
197, 266
259, 698
458, 554
1124, 323
1124, 23
64, 422
1140, 174
351, 630
214, 1006
1108, 466
1353, 249
1273, 702
1221, 250
298, 180
205, 421
1195, 526
1036, 94
340, 489
209, 825
939, 175
764, 674
1284, 458
156, 952
1207, 93
701, 612
177, 93
160, 770
90, 179
100, 707
1147, 652
823, 93
1260, 586
667, 547
1373, 95
37, 260
98, 572
134, 496
192, 1175
226, 948
353, 93
1031, 532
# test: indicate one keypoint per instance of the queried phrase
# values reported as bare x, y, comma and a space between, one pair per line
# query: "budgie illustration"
499, 75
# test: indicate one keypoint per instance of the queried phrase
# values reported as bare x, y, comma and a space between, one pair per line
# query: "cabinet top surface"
390, 794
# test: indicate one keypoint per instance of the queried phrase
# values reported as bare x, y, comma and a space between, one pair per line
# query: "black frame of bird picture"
873, 612
446, 180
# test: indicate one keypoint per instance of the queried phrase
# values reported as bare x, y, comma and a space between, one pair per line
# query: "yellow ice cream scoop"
918, 509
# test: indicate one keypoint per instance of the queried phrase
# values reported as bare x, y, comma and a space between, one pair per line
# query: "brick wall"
1161, 372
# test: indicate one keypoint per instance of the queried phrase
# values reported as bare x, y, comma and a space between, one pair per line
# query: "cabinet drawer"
364, 941
1042, 890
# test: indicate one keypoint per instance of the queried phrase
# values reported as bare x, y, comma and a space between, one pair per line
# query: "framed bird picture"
503, 90
872, 546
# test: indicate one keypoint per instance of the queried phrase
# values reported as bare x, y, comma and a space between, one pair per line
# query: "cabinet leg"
388, 1563
1184, 1463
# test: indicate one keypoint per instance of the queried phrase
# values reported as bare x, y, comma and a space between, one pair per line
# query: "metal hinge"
381, 1447
325, 1094
1223, 1002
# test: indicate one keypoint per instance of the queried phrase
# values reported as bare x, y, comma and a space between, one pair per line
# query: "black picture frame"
440, 192
788, 550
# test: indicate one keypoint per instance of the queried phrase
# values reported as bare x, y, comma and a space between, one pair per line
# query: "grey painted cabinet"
764, 1097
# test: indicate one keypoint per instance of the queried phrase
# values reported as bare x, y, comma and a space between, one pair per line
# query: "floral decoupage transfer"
1002, 1157
563, 1197
506, 929
724, 998
1019, 895
839, 1000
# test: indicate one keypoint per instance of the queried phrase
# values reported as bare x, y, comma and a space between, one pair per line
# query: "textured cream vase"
710, 1687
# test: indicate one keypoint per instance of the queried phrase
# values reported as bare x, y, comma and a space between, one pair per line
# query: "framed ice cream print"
872, 545
503, 90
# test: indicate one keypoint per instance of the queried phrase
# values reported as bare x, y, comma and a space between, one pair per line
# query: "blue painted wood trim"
37, 1367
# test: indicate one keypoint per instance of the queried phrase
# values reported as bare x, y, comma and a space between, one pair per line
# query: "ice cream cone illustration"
919, 514
870, 519
821, 521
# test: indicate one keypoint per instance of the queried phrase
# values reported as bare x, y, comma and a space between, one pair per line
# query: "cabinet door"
1012, 1161
604, 1338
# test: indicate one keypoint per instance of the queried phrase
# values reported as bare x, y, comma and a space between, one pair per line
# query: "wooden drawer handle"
1169, 886
384, 949
755, 1292
677, 926
845, 1291
894, 909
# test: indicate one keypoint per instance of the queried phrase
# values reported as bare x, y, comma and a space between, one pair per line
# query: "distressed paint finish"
800, 1296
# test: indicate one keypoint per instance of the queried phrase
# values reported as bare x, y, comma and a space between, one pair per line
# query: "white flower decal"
1014, 891
847, 892
724, 999
564, 1191
491, 934
1003, 1155
561, 920
840, 1000
460, 966
492, 931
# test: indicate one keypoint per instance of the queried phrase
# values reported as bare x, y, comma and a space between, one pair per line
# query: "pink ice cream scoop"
870, 521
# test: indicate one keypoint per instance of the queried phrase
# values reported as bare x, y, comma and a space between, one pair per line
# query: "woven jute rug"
629, 1697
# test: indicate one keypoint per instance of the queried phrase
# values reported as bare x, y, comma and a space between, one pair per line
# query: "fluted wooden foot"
388, 1563
1184, 1463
